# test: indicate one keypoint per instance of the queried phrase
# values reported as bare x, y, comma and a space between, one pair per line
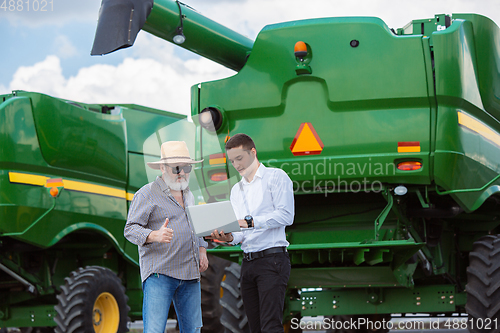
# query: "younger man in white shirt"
264, 205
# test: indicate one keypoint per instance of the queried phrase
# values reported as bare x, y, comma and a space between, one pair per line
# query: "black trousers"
263, 287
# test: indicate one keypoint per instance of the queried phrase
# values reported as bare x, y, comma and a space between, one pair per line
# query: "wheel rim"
222, 289
106, 314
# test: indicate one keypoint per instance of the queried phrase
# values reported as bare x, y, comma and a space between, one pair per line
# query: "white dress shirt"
269, 198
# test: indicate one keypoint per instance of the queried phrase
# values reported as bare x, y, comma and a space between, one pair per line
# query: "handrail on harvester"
34, 222
468, 189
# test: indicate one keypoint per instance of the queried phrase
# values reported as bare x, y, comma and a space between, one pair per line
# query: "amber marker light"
218, 177
54, 191
300, 50
409, 166
217, 159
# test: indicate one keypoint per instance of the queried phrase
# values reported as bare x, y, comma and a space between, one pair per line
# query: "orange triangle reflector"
306, 141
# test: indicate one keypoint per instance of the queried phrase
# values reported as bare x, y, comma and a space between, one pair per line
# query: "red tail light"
409, 166
218, 177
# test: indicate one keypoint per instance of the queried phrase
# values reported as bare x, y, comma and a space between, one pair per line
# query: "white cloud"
148, 82
64, 48
45, 76
149, 46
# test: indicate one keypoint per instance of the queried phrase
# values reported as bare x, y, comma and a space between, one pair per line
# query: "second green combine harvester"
391, 138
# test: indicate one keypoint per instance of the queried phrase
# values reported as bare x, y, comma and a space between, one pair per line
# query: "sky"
46, 45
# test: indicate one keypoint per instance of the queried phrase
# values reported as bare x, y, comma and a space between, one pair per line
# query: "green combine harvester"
68, 173
391, 138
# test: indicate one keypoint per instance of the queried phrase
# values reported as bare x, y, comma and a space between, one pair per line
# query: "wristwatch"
249, 220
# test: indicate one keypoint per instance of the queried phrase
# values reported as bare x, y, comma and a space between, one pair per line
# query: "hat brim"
156, 165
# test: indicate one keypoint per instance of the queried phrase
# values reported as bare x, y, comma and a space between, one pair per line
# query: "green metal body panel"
84, 141
464, 79
41, 316
355, 99
97, 151
372, 301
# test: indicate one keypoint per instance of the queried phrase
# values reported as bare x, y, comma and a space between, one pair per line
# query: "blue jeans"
159, 291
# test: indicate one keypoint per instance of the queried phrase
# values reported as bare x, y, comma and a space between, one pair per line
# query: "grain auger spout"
120, 22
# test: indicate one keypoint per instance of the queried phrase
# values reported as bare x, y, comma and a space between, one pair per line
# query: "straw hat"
173, 152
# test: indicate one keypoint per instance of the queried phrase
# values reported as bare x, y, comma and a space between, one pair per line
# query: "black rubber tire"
371, 318
233, 316
210, 294
80, 292
483, 285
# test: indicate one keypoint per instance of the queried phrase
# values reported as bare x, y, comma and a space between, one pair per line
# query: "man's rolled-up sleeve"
136, 230
202, 242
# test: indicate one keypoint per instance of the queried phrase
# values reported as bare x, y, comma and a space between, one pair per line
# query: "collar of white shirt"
260, 172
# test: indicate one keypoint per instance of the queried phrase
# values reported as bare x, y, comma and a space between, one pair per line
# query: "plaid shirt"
180, 258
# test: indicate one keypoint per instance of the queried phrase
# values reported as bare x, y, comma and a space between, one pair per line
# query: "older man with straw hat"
171, 256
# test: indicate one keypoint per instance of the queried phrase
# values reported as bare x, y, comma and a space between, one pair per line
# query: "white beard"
175, 185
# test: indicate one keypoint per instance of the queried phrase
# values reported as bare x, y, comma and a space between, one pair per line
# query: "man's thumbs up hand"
165, 233
162, 235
